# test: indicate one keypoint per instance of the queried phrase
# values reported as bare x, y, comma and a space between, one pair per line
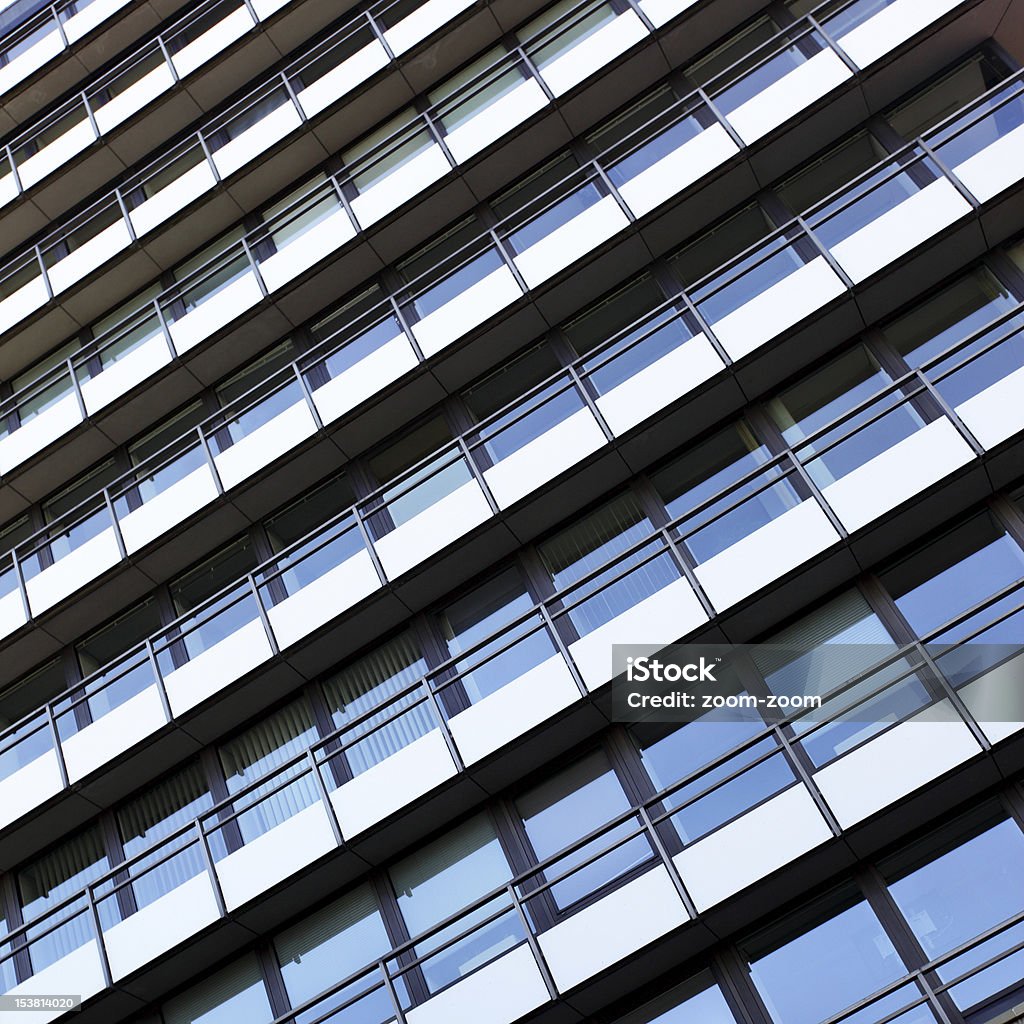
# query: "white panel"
138, 95
401, 184
307, 249
113, 733
273, 856
897, 474
80, 24
891, 26
572, 240
270, 441
12, 615
119, 377
58, 152
365, 378
79, 973
789, 95
996, 413
89, 256
320, 601
74, 570
217, 667
766, 554
467, 310
778, 308
658, 620
215, 312
267, 8
391, 784
605, 932
746, 850
505, 990
544, 458
168, 508
160, 926
433, 529
344, 78
675, 171
659, 384
20, 303
996, 167
172, 198
8, 189
42, 52
259, 137
41, 430
593, 52
516, 708
29, 786
900, 230
212, 41
661, 12
495, 120
893, 765
426, 19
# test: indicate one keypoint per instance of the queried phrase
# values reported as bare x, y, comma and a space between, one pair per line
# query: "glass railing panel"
22, 290
216, 621
989, 358
132, 86
272, 399
159, 192
24, 743
207, 33
47, 146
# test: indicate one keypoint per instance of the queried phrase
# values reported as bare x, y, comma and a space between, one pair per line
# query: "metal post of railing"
371, 550
321, 789
115, 525
58, 749
474, 469
167, 58
533, 943
673, 872
262, 613
158, 677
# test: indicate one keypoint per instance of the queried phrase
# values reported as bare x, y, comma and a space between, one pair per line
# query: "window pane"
366, 683
234, 994
722, 243
566, 807
962, 894
829, 173
330, 944
950, 575
613, 314
442, 878
826, 968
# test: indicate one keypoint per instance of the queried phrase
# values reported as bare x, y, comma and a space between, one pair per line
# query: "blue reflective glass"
962, 894
827, 968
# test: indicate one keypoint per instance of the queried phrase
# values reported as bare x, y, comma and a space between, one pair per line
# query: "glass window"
569, 805
733, 49
234, 994
301, 216
630, 120
697, 1001
42, 400
941, 321
510, 382
950, 575
307, 513
525, 191
51, 879
256, 753
215, 248
401, 139
85, 486
443, 877
705, 471
571, 31
940, 99
614, 313
720, 244
671, 752
829, 173
435, 479
589, 544
476, 96
192, 588
30, 692
835, 959
156, 814
957, 896
365, 684
486, 610
824, 649
831, 392
113, 639
330, 944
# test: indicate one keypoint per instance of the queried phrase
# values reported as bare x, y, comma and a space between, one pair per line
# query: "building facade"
370, 370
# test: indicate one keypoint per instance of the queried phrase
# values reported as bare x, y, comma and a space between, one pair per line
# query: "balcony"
573, 218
